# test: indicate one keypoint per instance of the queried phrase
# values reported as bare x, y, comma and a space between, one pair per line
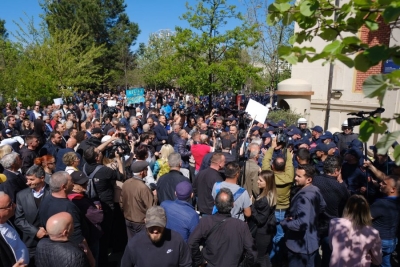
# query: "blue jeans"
388, 246
277, 241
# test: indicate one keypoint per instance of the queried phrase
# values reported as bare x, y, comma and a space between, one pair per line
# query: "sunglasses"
9, 205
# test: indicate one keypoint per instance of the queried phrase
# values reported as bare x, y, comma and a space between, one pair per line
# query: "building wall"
348, 80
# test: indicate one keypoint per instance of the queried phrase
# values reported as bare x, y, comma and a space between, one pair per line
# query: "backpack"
235, 196
91, 191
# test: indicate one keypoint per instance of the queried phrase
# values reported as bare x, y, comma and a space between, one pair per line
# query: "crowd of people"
170, 182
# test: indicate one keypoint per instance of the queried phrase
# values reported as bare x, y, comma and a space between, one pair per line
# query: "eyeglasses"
9, 205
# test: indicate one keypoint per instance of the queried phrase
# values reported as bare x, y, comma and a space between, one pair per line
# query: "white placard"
111, 103
58, 101
257, 110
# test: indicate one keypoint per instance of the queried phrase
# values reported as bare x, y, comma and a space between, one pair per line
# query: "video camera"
362, 116
120, 146
281, 136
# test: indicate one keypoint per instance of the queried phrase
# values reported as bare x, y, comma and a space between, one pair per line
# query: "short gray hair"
9, 159
146, 128
36, 171
174, 160
57, 180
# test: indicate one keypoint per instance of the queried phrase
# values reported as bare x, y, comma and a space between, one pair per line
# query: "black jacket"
27, 217
166, 185
15, 183
161, 134
202, 187
104, 181
27, 156
66, 254
226, 246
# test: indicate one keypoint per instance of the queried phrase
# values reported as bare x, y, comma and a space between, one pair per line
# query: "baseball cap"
266, 135
327, 135
139, 166
317, 129
155, 216
79, 177
294, 131
96, 131
322, 147
354, 152
331, 145
183, 190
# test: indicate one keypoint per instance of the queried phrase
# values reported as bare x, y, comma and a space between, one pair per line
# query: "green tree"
3, 30
42, 66
271, 37
156, 60
208, 54
103, 22
338, 26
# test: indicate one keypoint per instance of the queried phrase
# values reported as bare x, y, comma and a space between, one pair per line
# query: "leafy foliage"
104, 23
338, 26
42, 66
289, 116
208, 59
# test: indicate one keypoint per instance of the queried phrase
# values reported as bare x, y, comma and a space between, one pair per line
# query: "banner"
134, 96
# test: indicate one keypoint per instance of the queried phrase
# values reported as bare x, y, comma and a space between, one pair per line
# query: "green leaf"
380, 126
386, 141
363, 2
396, 155
372, 25
345, 60
366, 130
283, 7
333, 47
284, 50
292, 39
375, 86
308, 8
391, 13
351, 40
287, 19
292, 59
384, 2
328, 34
377, 53
362, 62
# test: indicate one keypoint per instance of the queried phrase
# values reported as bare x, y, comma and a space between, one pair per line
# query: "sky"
151, 15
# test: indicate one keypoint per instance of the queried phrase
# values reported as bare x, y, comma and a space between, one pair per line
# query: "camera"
281, 136
111, 111
120, 146
355, 121
362, 116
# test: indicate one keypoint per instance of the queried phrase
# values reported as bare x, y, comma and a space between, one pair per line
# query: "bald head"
71, 143
60, 226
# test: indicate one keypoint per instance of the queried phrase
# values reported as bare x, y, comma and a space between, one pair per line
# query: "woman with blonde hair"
161, 166
354, 242
262, 222
72, 161
4, 150
48, 163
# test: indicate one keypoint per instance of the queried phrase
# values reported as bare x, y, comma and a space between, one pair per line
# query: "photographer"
104, 181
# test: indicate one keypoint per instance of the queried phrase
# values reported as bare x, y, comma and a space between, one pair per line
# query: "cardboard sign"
58, 101
257, 111
111, 103
135, 96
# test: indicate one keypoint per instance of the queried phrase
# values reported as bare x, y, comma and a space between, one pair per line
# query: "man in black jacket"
166, 184
216, 233
28, 203
15, 180
58, 250
161, 132
28, 152
104, 180
335, 194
